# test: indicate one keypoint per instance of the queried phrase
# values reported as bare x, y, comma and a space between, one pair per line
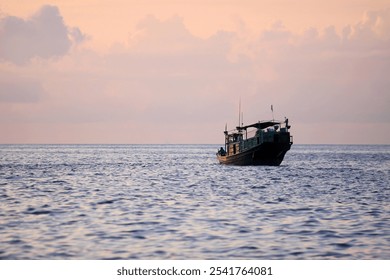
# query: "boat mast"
239, 112
226, 138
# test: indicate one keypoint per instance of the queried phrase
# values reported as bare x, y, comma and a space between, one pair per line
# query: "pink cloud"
43, 35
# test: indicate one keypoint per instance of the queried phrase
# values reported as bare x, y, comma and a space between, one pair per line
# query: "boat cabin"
247, 137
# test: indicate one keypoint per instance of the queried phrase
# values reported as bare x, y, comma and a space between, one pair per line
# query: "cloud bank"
43, 35
167, 85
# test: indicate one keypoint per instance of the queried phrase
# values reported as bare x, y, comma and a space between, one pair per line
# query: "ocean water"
178, 202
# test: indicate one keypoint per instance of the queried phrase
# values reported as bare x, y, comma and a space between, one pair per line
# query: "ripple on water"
176, 201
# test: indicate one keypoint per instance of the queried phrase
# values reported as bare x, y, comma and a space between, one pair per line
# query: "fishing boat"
260, 143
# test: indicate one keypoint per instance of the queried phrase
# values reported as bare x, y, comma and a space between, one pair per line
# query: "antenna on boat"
240, 115
239, 112
272, 109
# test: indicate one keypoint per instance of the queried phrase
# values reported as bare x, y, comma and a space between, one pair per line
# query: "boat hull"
263, 154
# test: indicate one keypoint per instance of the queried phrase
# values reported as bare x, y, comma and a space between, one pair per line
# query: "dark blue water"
177, 202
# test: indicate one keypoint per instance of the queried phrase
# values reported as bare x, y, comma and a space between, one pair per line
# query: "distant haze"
160, 71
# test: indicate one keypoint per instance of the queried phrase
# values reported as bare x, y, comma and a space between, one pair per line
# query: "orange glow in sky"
157, 71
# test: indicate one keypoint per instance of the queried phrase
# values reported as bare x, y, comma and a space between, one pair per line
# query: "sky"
171, 71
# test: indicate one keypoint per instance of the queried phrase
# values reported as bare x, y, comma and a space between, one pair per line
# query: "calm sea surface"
178, 202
